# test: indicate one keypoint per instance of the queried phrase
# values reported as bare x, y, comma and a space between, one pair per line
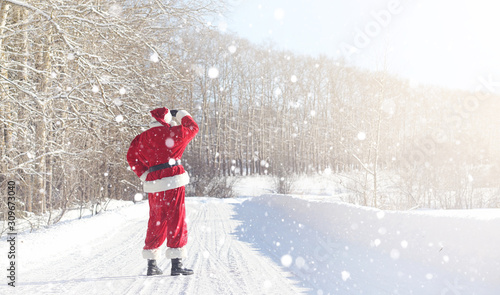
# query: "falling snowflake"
361, 135
169, 142
213, 73
95, 88
286, 260
138, 197
232, 49
404, 244
154, 57
446, 258
345, 275
122, 91
293, 79
119, 118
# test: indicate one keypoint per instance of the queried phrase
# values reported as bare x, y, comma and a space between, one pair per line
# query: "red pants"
167, 215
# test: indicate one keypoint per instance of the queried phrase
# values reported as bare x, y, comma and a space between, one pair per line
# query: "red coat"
161, 144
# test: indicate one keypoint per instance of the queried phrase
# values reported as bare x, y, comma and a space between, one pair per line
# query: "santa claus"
155, 156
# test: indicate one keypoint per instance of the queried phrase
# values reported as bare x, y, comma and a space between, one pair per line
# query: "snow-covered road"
270, 245
102, 255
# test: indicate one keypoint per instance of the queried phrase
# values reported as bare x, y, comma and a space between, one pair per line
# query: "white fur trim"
166, 183
168, 117
172, 253
151, 254
143, 176
181, 114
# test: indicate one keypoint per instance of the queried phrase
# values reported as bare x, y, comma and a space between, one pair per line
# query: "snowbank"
72, 232
42, 222
338, 248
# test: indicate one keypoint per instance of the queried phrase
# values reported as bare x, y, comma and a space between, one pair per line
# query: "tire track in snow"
208, 227
240, 269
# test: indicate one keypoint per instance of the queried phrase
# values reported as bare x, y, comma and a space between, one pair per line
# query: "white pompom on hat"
162, 115
168, 117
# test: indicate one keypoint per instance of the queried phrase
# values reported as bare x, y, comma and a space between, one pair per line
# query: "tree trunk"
41, 124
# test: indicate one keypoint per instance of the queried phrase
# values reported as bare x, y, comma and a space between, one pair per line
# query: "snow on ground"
36, 222
338, 248
102, 255
269, 244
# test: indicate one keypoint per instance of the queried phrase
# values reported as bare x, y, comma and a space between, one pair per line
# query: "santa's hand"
173, 112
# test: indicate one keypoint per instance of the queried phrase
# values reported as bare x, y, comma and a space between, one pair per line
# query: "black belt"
163, 166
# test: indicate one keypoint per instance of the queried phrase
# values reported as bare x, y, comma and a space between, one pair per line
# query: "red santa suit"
154, 156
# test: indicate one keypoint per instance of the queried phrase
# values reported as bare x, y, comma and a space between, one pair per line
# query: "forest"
78, 79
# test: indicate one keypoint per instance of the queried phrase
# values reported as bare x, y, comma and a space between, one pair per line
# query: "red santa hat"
162, 115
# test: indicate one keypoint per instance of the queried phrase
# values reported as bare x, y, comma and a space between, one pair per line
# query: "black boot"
153, 269
177, 268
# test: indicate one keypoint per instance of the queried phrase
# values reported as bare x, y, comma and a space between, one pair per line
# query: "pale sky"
444, 42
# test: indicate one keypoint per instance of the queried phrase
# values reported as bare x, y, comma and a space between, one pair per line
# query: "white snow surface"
268, 244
